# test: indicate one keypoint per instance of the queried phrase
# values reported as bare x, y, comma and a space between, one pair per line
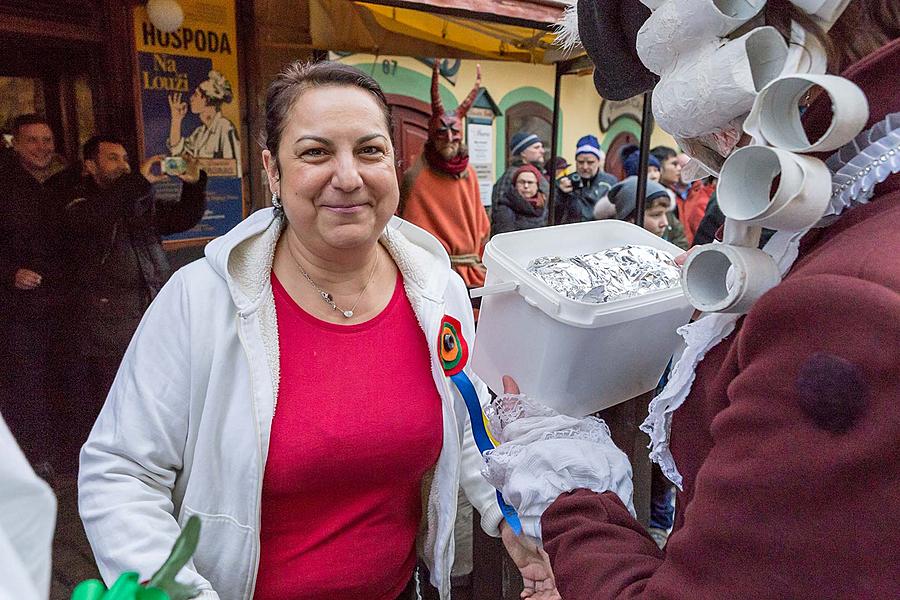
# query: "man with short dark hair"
670, 168
117, 227
32, 286
670, 177
524, 148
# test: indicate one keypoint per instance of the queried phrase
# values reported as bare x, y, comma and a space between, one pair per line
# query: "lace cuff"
544, 454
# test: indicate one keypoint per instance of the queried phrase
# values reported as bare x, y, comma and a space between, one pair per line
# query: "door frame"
526, 108
412, 104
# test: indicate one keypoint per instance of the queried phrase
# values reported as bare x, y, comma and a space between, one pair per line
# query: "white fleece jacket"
27, 520
185, 429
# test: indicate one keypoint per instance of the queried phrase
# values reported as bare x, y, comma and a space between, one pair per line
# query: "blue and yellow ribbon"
454, 353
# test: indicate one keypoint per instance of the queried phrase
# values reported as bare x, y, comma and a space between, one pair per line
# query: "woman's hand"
177, 108
533, 564
682, 258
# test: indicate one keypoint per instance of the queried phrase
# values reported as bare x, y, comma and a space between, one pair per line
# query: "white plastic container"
574, 356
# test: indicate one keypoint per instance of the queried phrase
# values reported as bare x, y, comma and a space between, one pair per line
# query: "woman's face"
198, 101
527, 185
337, 179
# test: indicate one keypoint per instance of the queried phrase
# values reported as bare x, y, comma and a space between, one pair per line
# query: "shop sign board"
189, 104
480, 139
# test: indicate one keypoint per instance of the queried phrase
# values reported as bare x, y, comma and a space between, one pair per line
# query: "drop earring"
276, 201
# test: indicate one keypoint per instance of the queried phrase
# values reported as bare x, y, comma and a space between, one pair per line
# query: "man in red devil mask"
440, 190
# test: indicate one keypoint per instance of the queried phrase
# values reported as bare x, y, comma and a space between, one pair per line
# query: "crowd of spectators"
674, 209
81, 258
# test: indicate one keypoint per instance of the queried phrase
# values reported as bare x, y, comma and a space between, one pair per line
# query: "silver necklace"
328, 298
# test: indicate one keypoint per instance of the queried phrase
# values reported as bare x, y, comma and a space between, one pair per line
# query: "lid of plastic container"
507, 257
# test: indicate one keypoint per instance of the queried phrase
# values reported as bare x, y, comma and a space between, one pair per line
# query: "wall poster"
480, 139
189, 105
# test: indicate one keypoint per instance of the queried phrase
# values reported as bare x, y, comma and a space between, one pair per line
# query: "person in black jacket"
33, 284
590, 183
523, 206
524, 149
116, 225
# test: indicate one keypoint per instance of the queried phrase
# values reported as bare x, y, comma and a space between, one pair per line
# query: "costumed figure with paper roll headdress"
440, 190
779, 422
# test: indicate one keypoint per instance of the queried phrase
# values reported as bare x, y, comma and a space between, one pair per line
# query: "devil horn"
467, 103
437, 107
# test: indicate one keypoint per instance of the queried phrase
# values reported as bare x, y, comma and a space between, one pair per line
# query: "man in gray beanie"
525, 148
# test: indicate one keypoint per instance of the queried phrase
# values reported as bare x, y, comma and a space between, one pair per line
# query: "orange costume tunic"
449, 208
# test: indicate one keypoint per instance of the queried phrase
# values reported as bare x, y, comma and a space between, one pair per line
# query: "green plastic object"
182, 552
162, 586
90, 589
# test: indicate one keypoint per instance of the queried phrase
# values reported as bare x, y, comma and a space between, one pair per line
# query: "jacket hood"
243, 257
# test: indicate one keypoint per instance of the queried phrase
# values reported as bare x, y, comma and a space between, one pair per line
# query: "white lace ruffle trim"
543, 454
857, 167
863, 163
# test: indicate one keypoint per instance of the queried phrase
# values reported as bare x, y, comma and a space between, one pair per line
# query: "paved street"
72, 558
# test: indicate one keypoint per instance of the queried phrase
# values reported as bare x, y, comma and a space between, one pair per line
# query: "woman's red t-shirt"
357, 425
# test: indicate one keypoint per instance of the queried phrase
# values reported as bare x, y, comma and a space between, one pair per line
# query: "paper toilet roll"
800, 199
675, 27
775, 117
726, 278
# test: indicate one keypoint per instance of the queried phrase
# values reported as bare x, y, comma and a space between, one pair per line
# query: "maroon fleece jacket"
789, 443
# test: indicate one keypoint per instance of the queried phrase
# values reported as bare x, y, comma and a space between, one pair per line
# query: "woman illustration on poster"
216, 137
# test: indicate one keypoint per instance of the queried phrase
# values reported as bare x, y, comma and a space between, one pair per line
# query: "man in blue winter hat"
589, 184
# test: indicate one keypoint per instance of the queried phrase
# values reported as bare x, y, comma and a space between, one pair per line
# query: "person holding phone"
116, 228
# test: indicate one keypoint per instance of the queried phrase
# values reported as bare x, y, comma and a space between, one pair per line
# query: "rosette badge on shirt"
452, 347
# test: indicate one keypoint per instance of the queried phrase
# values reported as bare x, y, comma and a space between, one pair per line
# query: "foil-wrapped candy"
612, 274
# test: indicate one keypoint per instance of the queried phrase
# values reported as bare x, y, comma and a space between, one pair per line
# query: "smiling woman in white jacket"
190, 425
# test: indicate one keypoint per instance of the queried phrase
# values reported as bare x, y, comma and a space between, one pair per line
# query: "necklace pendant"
348, 313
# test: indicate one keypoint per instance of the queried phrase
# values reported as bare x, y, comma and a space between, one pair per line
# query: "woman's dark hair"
300, 76
864, 26
216, 103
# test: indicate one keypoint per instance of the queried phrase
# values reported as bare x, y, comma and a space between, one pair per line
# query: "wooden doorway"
613, 164
532, 117
58, 85
410, 129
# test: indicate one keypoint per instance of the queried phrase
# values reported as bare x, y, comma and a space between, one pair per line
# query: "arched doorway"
532, 117
613, 164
